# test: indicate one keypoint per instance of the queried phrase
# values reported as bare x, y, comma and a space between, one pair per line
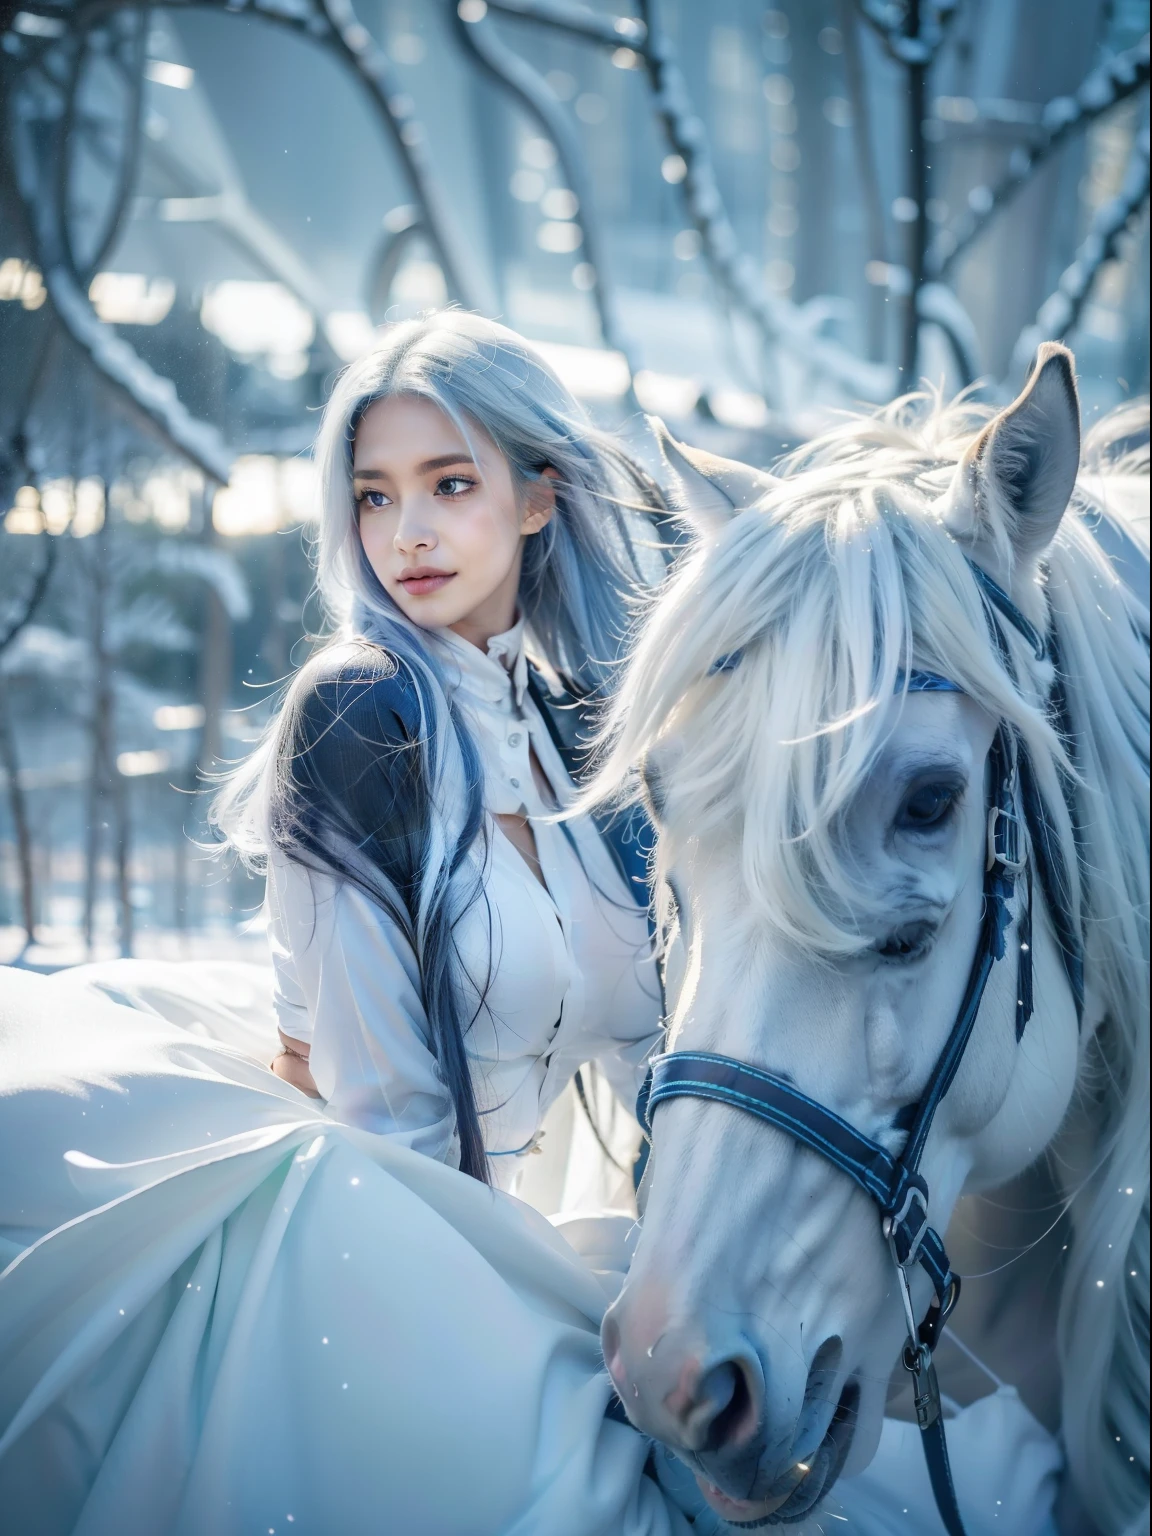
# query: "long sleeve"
347, 981
354, 819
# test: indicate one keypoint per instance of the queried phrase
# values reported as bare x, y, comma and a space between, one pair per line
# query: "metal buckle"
890, 1223
948, 1301
1012, 858
925, 1388
917, 1360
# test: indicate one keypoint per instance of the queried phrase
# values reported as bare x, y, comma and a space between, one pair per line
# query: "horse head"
824, 840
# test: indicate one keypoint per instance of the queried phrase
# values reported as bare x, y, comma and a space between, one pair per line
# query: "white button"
514, 739
515, 783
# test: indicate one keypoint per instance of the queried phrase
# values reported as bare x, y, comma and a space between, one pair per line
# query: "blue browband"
895, 1183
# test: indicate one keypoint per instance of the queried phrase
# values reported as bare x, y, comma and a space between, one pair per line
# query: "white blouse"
569, 968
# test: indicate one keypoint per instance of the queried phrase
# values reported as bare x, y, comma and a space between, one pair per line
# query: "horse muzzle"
764, 1451
800, 1489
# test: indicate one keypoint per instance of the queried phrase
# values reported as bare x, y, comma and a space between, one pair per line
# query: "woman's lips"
421, 582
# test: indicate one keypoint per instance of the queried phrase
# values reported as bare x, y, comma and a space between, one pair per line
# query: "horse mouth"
796, 1494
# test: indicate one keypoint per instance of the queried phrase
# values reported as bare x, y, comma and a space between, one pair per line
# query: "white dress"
226, 1313
561, 973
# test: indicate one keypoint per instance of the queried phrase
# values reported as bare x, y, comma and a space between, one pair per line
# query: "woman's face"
443, 529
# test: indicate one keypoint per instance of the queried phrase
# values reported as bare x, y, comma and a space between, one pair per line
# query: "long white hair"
580, 579
833, 587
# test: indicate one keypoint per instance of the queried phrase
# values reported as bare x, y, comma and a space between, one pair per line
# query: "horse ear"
1015, 480
706, 490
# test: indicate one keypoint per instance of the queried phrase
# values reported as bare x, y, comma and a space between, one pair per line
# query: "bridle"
1019, 838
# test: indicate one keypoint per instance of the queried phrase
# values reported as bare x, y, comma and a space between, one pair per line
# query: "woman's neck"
495, 615
482, 637
479, 634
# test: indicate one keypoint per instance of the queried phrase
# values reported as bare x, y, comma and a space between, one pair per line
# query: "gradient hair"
846, 563
580, 578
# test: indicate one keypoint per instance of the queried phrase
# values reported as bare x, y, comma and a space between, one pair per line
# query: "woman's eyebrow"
421, 469
443, 461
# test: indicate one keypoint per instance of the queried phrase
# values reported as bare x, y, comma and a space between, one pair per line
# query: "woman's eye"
927, 807
374, 499
907, 944
454, 485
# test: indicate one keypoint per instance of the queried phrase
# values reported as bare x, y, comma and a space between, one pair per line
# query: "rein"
895, 1184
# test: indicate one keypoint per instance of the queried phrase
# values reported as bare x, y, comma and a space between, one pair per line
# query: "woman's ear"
540, 501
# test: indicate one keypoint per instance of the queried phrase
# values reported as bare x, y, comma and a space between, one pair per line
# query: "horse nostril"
826, 1361
819, 1403
724, 1412
724, 1391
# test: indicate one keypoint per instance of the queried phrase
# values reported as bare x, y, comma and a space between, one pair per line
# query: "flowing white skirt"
223, 1312
228, 1314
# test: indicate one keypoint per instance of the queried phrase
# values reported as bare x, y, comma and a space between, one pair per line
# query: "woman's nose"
413, 532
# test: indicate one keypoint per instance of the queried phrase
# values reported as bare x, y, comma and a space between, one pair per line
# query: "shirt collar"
503, 663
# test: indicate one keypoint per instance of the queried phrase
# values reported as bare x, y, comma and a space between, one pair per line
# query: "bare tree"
102, 790
18, 621
18, 806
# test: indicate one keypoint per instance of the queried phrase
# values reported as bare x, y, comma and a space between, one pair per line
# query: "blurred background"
740, 217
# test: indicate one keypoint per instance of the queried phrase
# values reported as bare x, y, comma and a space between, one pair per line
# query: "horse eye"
909, 943
927, 807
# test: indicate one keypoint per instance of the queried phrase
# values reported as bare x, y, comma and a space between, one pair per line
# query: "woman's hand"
292, 1065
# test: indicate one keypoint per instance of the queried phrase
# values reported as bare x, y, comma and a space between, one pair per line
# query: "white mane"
838, 583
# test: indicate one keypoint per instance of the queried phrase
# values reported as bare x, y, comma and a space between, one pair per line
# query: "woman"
229, 1306
446, 954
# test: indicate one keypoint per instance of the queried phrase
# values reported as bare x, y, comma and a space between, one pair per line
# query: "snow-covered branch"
533, 92
577, 20
353, 41
153, 396
335, 25
912, 34
1060, 312
1102, 90
778, 321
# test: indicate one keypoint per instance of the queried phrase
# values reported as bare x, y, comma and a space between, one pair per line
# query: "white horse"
822, 839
